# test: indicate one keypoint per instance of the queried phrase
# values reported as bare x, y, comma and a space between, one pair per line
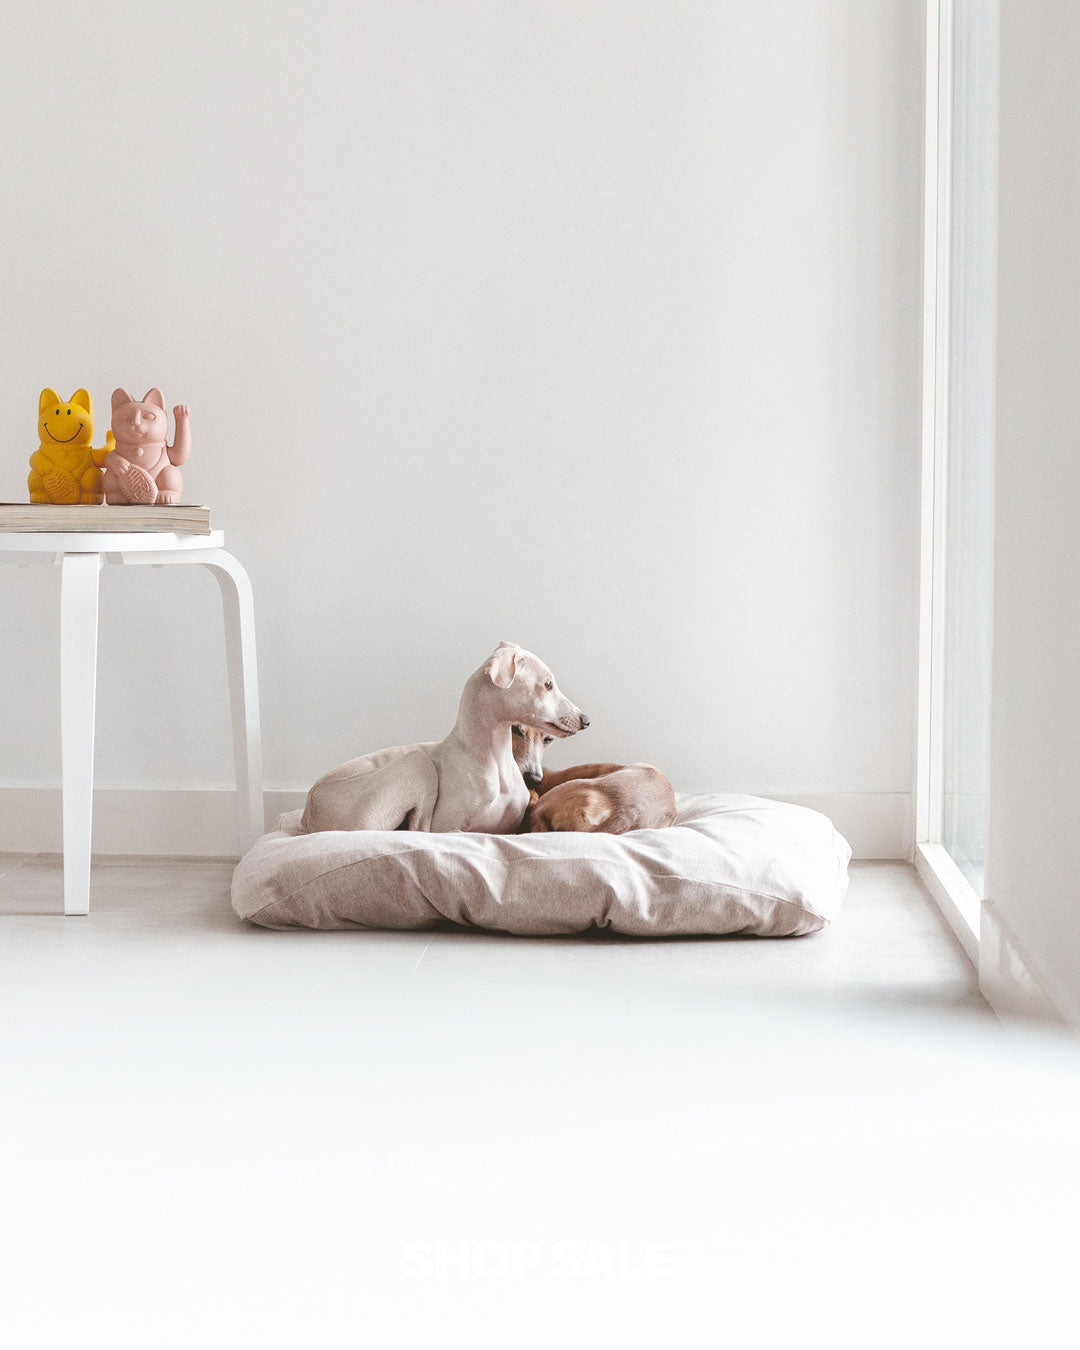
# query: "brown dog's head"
528, 695
529, 746
570, 806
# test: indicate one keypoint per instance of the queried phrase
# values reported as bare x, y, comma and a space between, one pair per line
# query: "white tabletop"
130, 541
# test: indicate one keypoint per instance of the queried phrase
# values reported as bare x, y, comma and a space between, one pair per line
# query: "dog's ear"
501, 669
594, 811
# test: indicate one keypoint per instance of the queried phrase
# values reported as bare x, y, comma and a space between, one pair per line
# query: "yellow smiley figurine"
65, 468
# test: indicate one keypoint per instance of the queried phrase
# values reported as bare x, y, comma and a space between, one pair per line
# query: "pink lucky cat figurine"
142, 470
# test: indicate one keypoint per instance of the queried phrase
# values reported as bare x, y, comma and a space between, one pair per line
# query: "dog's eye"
517, 731
548, 684
548, 740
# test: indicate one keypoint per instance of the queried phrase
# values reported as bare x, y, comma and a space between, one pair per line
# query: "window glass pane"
969, 457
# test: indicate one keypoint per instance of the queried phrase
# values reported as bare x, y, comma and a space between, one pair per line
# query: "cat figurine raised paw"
143, 470
64, 469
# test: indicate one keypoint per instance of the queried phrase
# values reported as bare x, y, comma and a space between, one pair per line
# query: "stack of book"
43, 518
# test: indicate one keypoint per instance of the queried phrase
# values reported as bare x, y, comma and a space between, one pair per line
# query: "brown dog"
611, 798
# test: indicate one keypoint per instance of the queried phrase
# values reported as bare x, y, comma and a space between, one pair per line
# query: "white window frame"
959, 901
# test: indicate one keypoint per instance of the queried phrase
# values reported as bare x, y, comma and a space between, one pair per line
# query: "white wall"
592, 325
1031, 929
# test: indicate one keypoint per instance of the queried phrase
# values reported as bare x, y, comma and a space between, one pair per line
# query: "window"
957, 499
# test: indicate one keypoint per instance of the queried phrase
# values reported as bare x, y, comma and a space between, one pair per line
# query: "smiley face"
65, 424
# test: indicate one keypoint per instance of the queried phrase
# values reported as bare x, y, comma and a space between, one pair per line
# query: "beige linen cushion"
730, 864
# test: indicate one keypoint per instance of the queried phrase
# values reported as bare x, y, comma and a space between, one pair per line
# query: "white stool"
80, 557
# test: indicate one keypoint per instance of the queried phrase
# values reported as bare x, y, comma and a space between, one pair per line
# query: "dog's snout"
584, 721
533, 777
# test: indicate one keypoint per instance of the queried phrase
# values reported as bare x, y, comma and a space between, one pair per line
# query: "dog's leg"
400, 794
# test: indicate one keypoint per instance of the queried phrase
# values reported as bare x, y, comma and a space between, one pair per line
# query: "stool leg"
239, 610
79, 574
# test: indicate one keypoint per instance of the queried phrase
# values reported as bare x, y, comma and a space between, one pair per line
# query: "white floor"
891, 950
215, 1134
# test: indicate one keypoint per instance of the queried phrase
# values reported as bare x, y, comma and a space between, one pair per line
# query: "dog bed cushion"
730, 864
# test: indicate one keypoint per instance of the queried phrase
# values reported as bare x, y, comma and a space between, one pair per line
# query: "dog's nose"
533, 779
584, 721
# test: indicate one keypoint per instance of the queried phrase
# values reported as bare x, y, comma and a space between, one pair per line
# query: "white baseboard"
877, 825
187, 822
1012, 985
202, 822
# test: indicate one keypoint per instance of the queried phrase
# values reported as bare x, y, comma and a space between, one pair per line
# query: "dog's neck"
482, 729
480, 785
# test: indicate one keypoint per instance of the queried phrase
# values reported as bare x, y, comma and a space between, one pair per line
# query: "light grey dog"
469, 781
